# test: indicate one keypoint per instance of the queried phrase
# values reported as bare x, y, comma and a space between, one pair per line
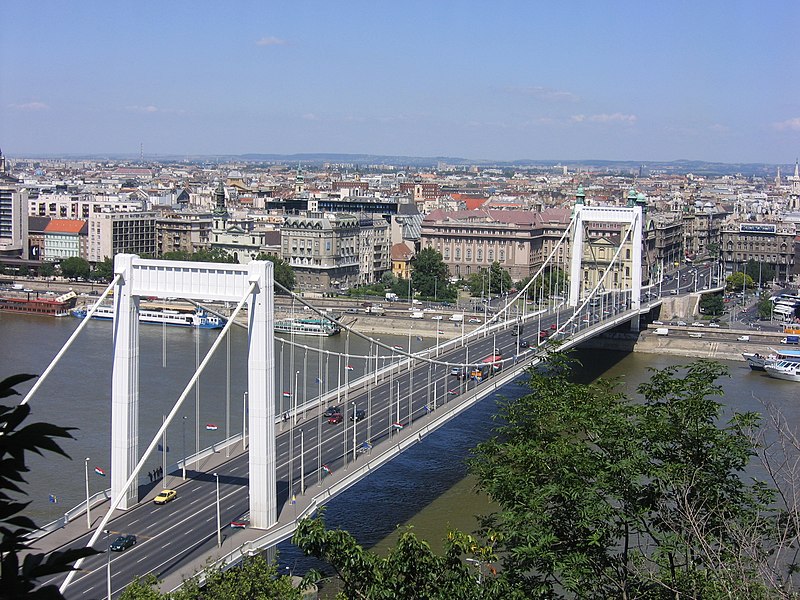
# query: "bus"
488, 367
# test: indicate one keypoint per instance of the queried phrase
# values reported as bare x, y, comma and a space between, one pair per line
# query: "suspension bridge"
284, 465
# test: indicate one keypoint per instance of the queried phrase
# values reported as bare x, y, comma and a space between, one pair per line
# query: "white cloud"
545, 93
150, 109
310, 117
271, 41
788, 125
604, 118
30, 106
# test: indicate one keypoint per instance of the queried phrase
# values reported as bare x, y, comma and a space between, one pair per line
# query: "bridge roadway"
175, 540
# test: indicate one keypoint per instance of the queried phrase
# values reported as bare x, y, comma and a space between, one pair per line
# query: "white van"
662, 331
418, 315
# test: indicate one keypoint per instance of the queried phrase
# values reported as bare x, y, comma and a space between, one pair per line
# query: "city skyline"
513, 81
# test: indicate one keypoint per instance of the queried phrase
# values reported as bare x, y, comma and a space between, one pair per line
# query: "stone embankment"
715, 344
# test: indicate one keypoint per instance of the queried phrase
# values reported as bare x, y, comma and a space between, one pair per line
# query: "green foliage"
551, 282
47, 269
493, 281
739, 281
104, 271
75, 267
429, 276
411, 570
605, 497
16, 439
254, 579
764, 306
283, 272
759, 271
712, 304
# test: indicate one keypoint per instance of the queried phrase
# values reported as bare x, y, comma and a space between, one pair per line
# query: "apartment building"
373, 244
113, 233
13, 216
81, 206
769, 243
323, 250
471, 240
183, 232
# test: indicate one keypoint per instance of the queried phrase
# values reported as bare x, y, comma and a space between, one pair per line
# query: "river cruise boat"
42, 306
178, 317
757, 361
783, 369
313, 327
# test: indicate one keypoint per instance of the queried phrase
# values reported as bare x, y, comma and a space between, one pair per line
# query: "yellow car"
165, 496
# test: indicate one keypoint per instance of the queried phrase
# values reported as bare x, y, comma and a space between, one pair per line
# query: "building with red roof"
65, 238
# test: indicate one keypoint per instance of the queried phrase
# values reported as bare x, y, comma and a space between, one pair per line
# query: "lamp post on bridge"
86, 472
219, 526
108, 566
183, 449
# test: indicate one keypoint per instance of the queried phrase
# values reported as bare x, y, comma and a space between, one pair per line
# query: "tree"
499, 279
551, 281
283, 272
429, 275
712, 304
47, 269
18, 581
75, 267
759, 272
411, 569
217, 255
764, 306
601, 496
104, 270
255, 578
739, 281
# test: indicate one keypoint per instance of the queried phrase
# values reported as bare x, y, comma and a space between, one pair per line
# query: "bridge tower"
629, 215
193, 280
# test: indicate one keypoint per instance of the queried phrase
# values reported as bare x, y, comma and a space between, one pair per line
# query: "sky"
491, 80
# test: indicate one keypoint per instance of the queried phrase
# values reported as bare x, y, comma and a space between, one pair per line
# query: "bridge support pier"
261, 395
125, 384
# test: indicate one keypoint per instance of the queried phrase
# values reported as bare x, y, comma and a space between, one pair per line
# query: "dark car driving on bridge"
358, 415
331, 410
123, 542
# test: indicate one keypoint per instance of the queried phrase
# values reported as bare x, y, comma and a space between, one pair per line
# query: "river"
425, 487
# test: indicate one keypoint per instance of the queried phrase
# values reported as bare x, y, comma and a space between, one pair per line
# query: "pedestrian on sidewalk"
150, 475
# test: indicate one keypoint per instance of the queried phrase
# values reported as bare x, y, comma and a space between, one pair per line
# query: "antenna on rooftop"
141, 152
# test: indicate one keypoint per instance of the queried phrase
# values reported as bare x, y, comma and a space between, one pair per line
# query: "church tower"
220, 213
299, 182
794, 189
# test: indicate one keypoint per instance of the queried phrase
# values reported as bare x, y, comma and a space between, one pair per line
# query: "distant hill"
319, 158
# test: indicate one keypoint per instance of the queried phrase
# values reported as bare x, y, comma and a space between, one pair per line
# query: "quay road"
173, 537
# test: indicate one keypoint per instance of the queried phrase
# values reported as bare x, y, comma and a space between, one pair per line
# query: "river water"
425, 487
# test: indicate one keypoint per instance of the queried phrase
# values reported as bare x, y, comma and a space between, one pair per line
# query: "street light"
183, 422
86, 472
108, 566
219, 526
355, 420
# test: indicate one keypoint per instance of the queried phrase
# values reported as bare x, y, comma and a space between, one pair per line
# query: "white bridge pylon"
632, 216
196, 281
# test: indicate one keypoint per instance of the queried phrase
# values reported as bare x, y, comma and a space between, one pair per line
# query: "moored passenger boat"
195, 317
315, 327
757, 361
783, 369
48, 307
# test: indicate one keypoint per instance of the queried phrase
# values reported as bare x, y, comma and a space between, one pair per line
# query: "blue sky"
633, 80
